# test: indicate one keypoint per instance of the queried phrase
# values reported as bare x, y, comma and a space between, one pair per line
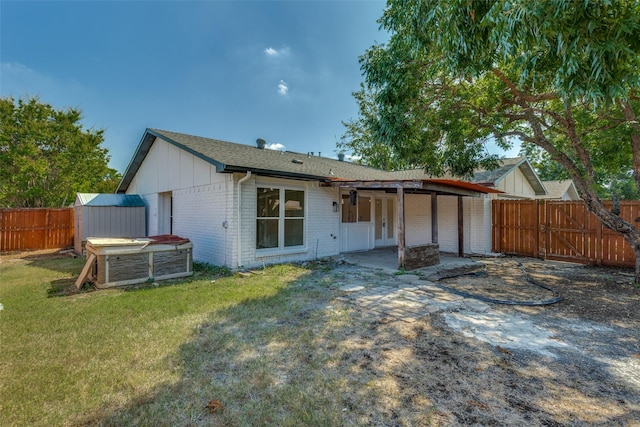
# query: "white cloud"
275, 146
271, 52
283, 89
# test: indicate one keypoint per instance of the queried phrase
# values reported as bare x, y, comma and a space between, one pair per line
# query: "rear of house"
266, 219
244, 206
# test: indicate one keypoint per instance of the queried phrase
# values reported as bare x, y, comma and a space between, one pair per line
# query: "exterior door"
385, 222
165, 209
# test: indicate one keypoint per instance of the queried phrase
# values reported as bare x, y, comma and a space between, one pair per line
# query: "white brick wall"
151, 212
321, 223
417, 219
199, 213
479, 232
476, 217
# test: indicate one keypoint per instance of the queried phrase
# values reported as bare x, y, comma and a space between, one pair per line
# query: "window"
349, 211
280, 218
360, 212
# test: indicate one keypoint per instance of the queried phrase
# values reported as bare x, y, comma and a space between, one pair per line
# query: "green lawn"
157, 355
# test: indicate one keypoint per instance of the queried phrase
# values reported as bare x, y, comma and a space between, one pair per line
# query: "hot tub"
117, 261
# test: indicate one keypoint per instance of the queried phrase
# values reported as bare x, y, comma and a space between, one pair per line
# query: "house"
560, 190
245, 206
517, 179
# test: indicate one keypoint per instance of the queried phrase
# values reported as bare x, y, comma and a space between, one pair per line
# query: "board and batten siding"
168, 168
516, 183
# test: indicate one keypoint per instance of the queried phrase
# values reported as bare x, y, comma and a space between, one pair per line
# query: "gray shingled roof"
493, 177
233, 157
230, 156
557, 189
482, 176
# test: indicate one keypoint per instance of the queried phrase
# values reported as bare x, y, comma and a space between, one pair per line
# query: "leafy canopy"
46, 156
561, 75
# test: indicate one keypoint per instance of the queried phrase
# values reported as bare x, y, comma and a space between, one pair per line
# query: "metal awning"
438, 186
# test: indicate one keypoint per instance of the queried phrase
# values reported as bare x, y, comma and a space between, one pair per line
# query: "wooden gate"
515, 227
35, 229
560, 230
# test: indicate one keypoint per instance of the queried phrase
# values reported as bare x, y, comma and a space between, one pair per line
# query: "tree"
359, 140
616, 183
46, 156
562, 75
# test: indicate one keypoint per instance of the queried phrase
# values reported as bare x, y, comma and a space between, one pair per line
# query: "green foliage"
85, 353
360, 140
46, 156
209, 270
561, 75
615, 181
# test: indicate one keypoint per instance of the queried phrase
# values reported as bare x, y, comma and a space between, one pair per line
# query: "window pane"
267, 233
349, 211
391, 226
293, 232
268, 202
364, 209
378, 220
293, 203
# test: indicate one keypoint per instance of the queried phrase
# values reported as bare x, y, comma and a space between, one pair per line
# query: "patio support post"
434, 217
401, 237
460, 228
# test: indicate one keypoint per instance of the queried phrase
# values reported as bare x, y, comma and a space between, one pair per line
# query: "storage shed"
107, 215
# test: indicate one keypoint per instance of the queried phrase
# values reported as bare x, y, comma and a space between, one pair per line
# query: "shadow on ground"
303, 358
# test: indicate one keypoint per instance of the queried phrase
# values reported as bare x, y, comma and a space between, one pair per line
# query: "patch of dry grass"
273, 348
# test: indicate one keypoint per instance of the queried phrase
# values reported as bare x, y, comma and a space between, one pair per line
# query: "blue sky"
279, 70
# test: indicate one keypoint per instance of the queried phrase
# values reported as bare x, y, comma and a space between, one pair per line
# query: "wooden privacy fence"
564, 231
34, 229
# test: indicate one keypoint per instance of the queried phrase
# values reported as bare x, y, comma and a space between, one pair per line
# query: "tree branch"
631, 118
572, 133
518, 94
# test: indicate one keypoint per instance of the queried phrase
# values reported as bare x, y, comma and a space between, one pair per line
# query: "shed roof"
107, 199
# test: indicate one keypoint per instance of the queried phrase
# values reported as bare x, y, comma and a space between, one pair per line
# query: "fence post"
495, 226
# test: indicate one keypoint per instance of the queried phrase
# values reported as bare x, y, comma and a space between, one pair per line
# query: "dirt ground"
575, 362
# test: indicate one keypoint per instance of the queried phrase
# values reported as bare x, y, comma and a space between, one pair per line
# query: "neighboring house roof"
489, 178
231, 157
106, 199
492, 178
563, 189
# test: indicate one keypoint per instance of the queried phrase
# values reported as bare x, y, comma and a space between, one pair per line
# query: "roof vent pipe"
341, 157
261, 143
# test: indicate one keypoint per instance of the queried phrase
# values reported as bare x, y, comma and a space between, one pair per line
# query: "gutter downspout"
240, 182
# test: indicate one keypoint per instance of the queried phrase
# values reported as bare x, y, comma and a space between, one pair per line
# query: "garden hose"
557, 298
